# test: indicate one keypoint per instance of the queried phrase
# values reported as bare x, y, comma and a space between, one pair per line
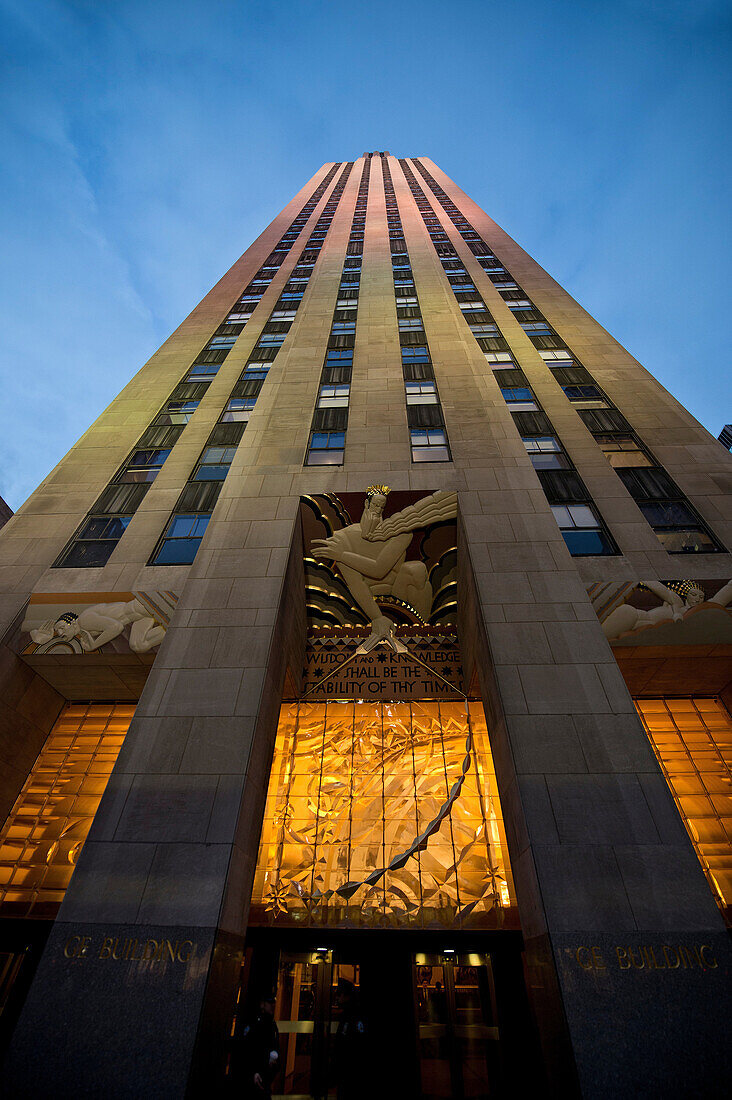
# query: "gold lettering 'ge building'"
377, 638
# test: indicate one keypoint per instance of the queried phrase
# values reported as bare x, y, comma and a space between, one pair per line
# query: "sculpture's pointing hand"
324, 548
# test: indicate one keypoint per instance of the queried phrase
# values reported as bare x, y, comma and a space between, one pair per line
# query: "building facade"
375, 638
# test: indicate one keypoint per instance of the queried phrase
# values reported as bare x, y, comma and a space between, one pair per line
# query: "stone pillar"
628, 956
149, 938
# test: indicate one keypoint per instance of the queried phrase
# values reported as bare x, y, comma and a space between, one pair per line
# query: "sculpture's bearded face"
372, 512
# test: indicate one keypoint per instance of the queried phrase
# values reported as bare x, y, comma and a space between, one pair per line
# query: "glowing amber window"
41, 839
356, 788
693, 742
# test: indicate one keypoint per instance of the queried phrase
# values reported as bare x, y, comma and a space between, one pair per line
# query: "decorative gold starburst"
276, 898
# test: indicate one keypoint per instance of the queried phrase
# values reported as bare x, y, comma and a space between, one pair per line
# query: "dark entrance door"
458, 1040
437, 1023
309, 1006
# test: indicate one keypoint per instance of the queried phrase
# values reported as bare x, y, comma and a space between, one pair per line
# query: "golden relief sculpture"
372, 558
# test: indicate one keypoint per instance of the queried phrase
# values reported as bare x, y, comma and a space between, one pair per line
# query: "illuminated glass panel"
45, 832
352, 785
692, 739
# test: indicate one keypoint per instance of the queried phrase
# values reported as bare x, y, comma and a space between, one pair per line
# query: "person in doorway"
259, 1052
349, 1056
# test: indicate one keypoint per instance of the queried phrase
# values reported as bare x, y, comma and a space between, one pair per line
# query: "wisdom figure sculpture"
371, 555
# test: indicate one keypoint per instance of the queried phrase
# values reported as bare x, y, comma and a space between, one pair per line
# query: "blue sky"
146, 144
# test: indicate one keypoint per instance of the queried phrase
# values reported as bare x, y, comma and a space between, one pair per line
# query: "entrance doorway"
436, 1022
458, 1039
307, 1011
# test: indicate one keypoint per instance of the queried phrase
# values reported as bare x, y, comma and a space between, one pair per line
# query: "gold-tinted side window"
41, 839
693, 742
353, 786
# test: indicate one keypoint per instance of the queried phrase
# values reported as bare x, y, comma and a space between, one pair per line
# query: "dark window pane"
115, 527
673, 514
89, 554
93, 528
582, 543
211, 473
177, 552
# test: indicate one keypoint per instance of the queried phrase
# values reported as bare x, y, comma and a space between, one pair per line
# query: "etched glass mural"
383, 814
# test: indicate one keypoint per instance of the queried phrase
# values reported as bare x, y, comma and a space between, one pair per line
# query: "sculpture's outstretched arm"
375, 567
665, 594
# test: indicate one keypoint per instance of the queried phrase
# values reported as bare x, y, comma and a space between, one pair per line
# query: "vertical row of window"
582, 528
677, 525
182, 535
327, 442
94, 541
427, 433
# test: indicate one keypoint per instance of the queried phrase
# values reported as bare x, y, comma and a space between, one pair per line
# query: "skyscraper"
375, 638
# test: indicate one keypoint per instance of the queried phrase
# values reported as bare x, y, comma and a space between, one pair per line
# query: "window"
692, 738
415, 353
545, 452
95, 541
326, 449
410, 301
343, 328
217, 343
202, 370
477, 304
429, 445
177, 412
501, 360
238, 409
581, 529
214, 464
144, 465
421, 393
520, 398
234, 317
622, 450
562, 355
409, 323
536, 328
283, 315
541, 444
181, 539
271, 339
339, 356
586, 393
49, 823
678, 528
333, 397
